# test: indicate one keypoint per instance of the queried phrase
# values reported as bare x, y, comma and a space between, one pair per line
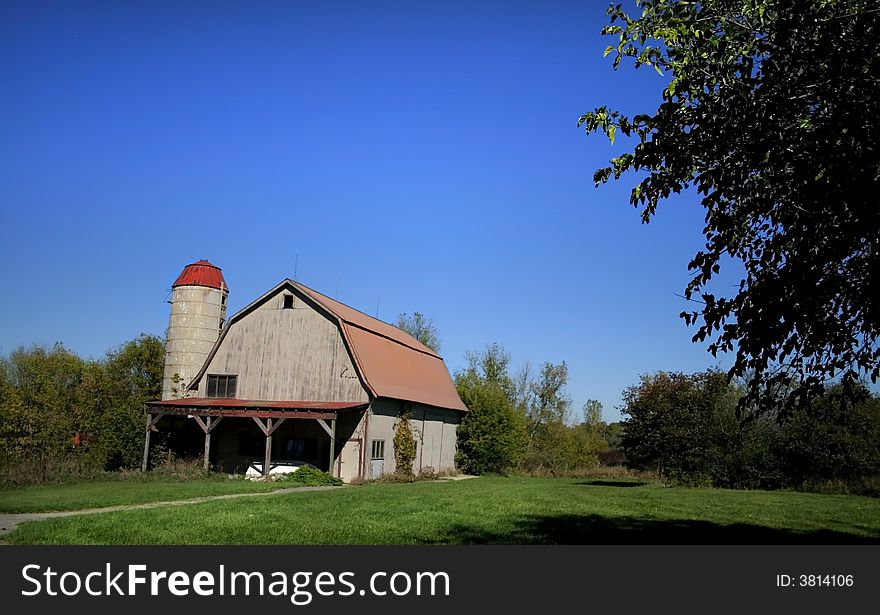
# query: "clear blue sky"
424, 156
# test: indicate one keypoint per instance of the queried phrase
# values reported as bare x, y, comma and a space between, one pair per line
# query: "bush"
492, 436
63, 417
308, 476
685, 427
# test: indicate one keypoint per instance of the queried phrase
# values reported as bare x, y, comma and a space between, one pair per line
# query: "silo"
198, 312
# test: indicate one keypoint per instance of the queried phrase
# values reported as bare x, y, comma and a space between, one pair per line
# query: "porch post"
147, 443
268, 459
332, 446
208, 444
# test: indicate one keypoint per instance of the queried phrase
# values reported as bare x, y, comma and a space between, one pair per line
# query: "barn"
296, 377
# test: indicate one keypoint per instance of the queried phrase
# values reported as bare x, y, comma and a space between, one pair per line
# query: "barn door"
432, 441
377, 458
349, 461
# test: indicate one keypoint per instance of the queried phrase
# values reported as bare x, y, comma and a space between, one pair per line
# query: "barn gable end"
282, 348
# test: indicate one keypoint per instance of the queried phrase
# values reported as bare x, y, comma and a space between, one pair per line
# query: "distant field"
97, 494
485, 510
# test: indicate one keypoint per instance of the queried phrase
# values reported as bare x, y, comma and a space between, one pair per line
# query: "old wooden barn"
296, 377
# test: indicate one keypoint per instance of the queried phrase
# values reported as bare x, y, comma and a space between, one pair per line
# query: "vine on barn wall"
404, 443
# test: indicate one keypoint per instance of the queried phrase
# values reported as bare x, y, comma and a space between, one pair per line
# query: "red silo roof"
201, 273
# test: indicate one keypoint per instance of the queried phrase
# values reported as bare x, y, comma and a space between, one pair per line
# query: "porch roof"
215, 406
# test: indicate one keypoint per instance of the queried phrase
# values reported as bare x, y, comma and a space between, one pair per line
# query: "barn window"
378, 449
288, 302
222, 386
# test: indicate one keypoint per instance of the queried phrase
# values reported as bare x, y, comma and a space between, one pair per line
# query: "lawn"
100, 493
486, 510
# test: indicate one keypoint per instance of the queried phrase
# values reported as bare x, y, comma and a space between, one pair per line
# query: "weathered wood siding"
286, 354
434, 430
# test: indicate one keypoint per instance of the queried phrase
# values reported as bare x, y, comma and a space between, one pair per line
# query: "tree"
550, 445
134, 376
554, 445
421, 328
593, 411
686, 428
836, 439
594, 427
769, 111
492, 436
60, 414
550, 402
670, 424
41, 403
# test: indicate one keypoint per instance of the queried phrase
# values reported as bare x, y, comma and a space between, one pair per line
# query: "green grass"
97, 494
486, 510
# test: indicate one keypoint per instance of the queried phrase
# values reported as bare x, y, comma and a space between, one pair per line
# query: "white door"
349, 461
377, 458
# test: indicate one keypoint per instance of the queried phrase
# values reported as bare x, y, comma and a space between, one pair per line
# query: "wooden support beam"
267, 430
153, 419
326, 427
268, 459
202, 424
147, 443
275, 425
207, 429
212, 426
212, 422
332, 447
208, 426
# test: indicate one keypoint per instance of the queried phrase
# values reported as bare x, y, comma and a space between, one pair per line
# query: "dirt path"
9, 521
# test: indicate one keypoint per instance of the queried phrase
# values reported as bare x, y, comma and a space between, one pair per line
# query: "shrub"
308, 476
686, 428
492, 436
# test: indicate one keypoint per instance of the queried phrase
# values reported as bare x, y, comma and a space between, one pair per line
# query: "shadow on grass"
596, 529
599, 482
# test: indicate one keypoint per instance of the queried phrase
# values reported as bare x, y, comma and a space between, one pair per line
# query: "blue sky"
422, 156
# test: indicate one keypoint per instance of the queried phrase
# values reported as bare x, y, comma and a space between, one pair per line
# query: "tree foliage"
522, 421
61, 413
669, 425
492, 436
837, 438
769, 111
554, 444
420, 327
686, 428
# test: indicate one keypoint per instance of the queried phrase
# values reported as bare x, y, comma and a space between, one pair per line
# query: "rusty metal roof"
379, 327
225, 402
397, 371
392, 363
201, 273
